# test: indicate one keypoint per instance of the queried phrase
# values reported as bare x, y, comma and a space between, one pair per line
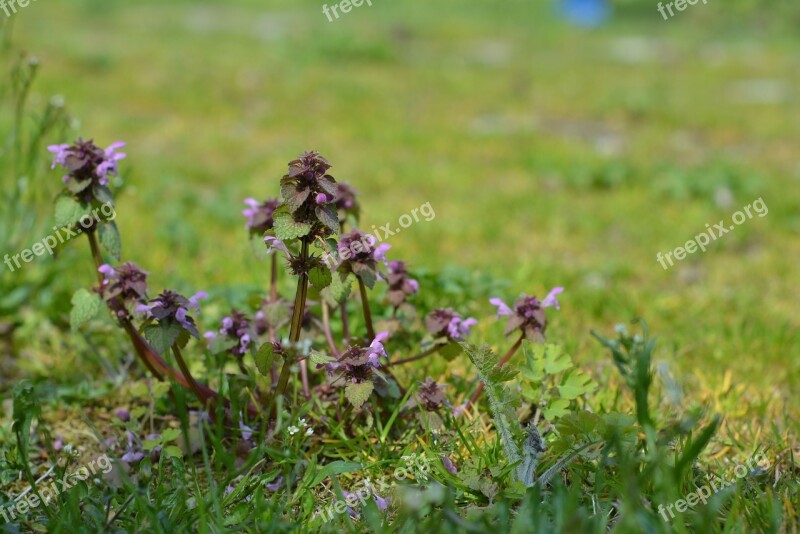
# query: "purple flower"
123, 287
170, 306
381, 503
430, 395
275, 484
359, 255
449, 465
260, 214
401, 286
132, 457
87, 164
123, 415
308, 191
445, 322
247, 432
275, 244
528, 314
236, 328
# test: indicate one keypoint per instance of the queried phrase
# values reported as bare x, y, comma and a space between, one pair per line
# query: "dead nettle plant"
318, 334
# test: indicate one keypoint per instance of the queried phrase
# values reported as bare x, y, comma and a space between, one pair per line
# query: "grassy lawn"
552, 156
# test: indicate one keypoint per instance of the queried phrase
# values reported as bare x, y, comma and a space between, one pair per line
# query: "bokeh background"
553, 153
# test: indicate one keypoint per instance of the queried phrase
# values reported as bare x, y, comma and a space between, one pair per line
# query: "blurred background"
558, 143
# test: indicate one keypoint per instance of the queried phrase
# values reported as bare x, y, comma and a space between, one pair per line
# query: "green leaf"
69, 211
358, 394
103, 194
109, 238
170, 434
318, 358
173, 451
450, 351
329, 217
265, 357
556, 409
221, 343
320, 278
85, 306
286, 228
334, 468
575, 384
163, 335
366, 274
338, 291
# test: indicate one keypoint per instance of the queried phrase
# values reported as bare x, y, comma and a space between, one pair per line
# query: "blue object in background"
588, 13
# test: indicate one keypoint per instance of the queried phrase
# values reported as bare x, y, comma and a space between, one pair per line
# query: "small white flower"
303, 422
293, 430
309, 431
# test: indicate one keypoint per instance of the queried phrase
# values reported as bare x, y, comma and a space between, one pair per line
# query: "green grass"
551, 155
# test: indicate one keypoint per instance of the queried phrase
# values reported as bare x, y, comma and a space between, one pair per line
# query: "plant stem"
273, 279
514, 348
297, 321
326, 326
365, 305
193, 385
345, 323
98, 260
419, 356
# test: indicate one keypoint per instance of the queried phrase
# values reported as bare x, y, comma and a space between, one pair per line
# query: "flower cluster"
169, 307
401, 286
357, 363
528, 314
345, 200
260, 214
88, 166
359, 255
123, 287
308, 192
430, 395
236, 328
445, 322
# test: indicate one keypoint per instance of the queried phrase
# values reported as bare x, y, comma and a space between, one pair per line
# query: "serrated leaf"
366, 274
575, 384
85, 306
265, 357
338, 291
557, 408
103, 194
109, 238
320, 278
163, 335
358, 394
69, 211
328, 216
293, 198
502, 374
286, 228
318, 358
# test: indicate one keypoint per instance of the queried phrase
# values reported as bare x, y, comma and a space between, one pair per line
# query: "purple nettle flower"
357, 363
88, 166
276, 245
401, 286
123, 287
445, 322
237, 328
381, 503
170, 306
430, 395
247, 432
275, 484
449, 465
359, 255
259, 214
346, 200
528, 314
123, 415
308, 192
